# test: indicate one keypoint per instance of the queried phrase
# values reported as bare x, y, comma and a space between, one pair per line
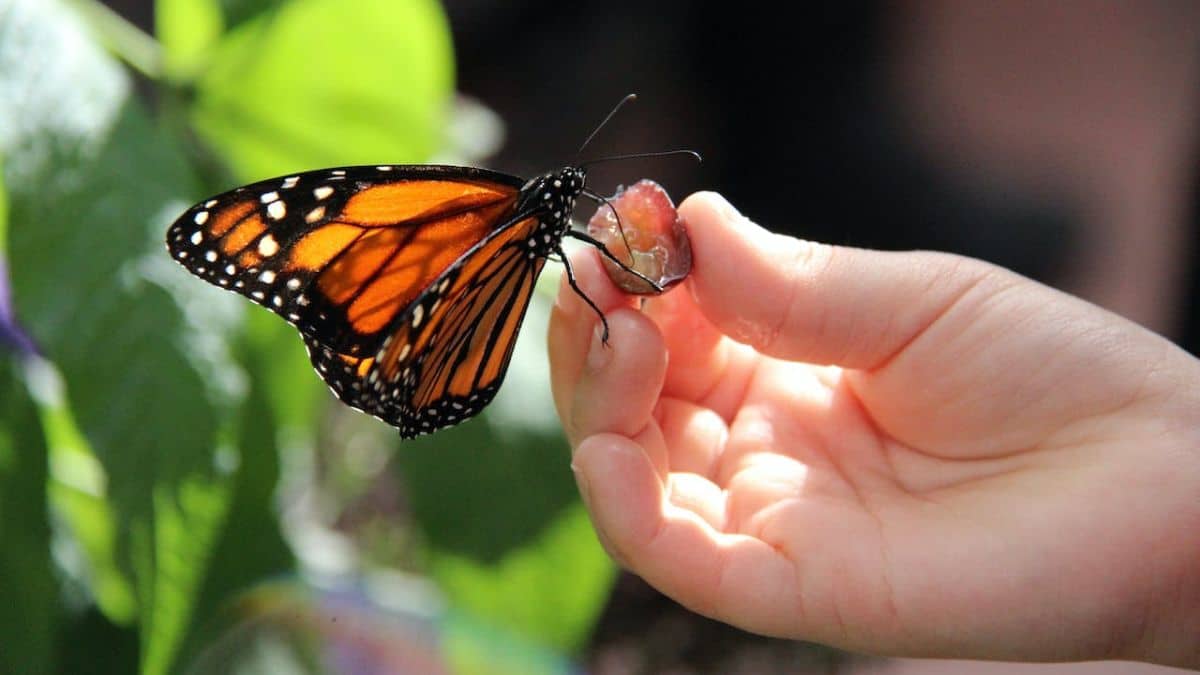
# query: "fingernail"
581, 481
599, 353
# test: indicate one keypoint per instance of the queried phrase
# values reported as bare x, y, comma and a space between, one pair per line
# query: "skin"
910, 453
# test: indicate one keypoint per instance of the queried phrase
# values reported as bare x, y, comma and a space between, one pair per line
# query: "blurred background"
179, 493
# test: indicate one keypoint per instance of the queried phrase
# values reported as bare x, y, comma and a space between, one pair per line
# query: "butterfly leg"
575, 286
609, 254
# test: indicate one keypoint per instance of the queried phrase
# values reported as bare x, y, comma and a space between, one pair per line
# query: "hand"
987, 468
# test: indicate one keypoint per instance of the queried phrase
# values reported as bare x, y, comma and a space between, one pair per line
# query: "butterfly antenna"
639, 155
609, 116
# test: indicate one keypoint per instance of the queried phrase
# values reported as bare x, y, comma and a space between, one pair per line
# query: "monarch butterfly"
408, 284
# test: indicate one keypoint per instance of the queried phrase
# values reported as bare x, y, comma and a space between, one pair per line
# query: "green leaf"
251, 547
549, 591
473, 647
291, 388
133, 383
240, 11
3, 216
90, 644
482, 494
93, 184
27, 583
315, 83
187, 31
77, 494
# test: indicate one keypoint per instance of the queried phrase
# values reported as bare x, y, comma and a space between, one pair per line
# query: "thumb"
812, 302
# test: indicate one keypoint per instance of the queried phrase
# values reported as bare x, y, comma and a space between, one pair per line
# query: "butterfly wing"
446, 355
342, 253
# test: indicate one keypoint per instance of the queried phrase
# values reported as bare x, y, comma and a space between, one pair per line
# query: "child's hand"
897, 453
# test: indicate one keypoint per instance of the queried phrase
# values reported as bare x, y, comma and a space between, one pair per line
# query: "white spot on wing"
276, 210
267, 246
323, 192
268, 197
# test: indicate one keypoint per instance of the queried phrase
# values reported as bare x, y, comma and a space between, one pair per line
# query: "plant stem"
125, 40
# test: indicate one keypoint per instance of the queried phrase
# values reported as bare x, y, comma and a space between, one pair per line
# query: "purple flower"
12, 335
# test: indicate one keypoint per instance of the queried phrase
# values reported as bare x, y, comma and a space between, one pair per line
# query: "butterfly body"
408, 284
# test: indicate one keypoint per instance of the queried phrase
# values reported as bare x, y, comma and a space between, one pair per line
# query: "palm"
995, 469
847, 506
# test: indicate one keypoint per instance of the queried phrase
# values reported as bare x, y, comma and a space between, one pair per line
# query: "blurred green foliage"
144, 451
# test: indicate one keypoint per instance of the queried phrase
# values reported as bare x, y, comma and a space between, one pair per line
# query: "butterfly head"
553, 196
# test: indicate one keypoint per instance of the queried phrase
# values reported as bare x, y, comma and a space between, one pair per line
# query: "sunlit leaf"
290, 385
186, 31
314, 83
77, 490
549, 591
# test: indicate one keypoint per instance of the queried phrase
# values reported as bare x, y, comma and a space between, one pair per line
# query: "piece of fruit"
655, 241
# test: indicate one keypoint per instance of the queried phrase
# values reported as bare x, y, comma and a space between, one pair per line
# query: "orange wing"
447, 358
408, 283
340, 253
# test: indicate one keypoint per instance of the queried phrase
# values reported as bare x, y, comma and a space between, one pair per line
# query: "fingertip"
573, 322
739, 269
707, 206
620, 382
713, 223
802, 300
622, 490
